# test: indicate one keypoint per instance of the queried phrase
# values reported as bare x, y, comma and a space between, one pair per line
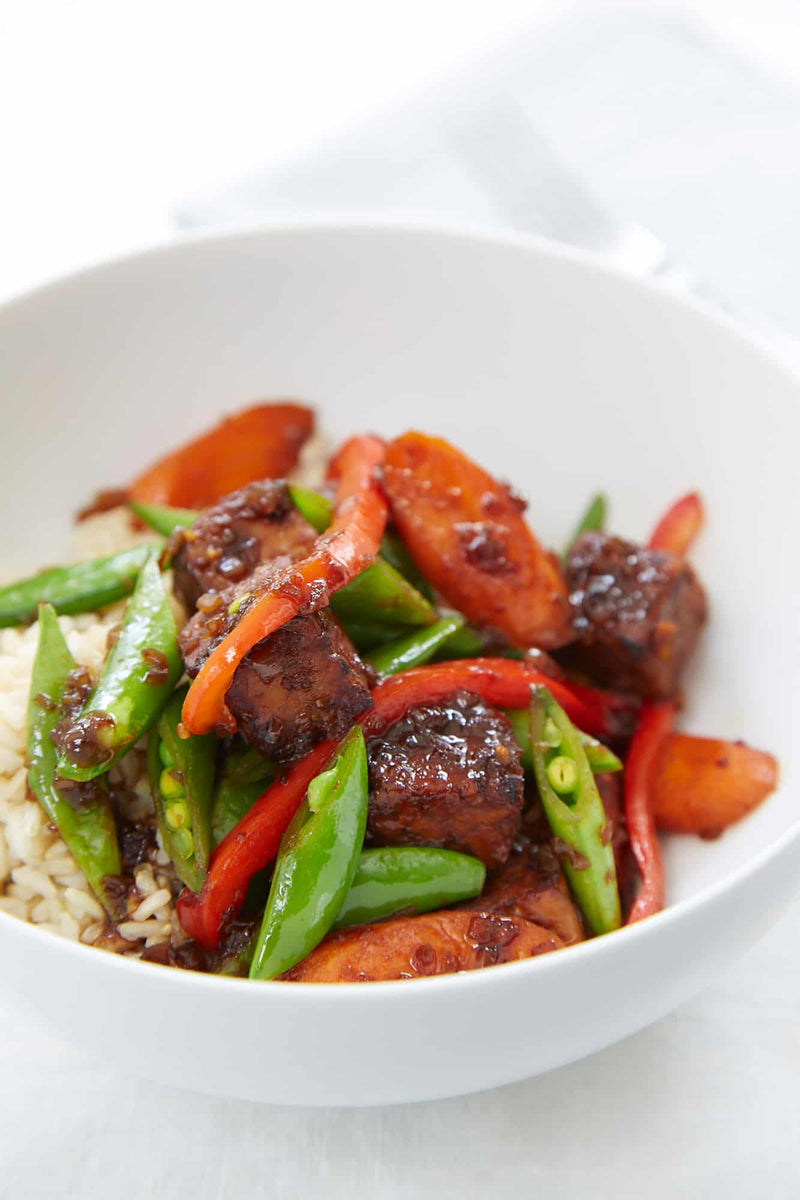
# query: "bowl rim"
358, 225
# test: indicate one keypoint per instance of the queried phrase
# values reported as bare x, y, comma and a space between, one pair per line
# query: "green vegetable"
466, 642
394, 550
245, 775
314, 508
414, 878
601, 759
81, 587
316, 862
593, 518
574, 810
415, 648
379, 597
85, 822
135, 683
164, 520
182, 783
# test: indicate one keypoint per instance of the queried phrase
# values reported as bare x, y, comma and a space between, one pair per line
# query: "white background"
110, 116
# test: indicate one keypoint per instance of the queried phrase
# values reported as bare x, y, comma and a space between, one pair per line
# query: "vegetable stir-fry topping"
386, 762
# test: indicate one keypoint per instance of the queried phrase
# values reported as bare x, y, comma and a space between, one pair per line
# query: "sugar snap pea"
408, 878
135, 683
415, 648
181, 774
574, 811
601, 759
593, 518
245, 775
77, 588
81, 814
164, 520
316, 862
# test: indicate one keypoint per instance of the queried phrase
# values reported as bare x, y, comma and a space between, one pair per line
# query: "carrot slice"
703, 785
262, 442
679, 526
467, 536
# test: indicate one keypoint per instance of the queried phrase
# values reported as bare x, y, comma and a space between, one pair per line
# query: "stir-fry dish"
369, 729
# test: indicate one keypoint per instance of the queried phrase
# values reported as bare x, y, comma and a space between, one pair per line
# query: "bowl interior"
554, 373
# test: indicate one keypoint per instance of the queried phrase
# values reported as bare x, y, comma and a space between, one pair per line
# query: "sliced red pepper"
262, 442
500, 681
655, 724
253, 843
347, 548
703, 785
679, 526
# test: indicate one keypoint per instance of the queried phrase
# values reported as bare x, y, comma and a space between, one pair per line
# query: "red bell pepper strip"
655, 724
679, 526
253, 843
503, 682
347, 548
261, 442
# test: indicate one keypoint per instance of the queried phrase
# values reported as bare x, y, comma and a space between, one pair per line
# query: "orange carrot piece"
703, 785
467, 535
262, 442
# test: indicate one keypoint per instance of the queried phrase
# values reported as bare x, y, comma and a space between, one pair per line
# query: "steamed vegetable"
134, 685
78, 588
182, 782
316, 862
574, 812
82, 816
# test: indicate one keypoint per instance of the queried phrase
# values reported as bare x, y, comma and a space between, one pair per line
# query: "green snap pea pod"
245, 775
78, 588
163, 519
181, 774
466, 642
85, 822
593, 518
381, 595
316, 862
135, 683
394, 550
415, 648
315, 509
400, 878
601, 759
574, 811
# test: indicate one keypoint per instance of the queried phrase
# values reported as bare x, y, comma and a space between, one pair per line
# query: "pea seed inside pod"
562, 774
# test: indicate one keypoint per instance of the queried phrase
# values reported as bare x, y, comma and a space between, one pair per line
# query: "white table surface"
109, 121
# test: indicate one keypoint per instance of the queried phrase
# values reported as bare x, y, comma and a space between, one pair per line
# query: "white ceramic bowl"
555, 373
